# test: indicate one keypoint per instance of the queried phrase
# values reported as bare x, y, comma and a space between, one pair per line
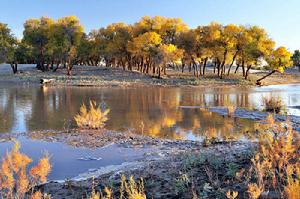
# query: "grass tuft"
274, 105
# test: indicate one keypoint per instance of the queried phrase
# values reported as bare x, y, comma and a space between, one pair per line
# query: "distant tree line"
149, 46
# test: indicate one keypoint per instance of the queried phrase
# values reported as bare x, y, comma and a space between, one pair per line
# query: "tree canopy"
150, 46
296, 58
8, 46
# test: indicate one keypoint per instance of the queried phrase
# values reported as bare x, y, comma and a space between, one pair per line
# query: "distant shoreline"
91, 76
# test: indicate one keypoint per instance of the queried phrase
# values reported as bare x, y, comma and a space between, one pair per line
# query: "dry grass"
274, 105
94, 118
277, 165
128, 190
16, 180
232, 194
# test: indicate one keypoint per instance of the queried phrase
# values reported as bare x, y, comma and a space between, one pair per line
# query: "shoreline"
91, 76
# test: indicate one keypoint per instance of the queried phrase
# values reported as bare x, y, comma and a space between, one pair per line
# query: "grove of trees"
150, 46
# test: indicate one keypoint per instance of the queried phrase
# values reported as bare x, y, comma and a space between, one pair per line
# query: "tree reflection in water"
149, 111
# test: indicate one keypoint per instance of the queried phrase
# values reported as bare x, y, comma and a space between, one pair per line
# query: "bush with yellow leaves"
128, 190
273, 104
15, 181
232, 194
277, 163
94, 118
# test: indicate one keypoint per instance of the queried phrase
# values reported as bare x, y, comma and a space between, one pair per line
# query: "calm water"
68, 162
150, 111
157, 112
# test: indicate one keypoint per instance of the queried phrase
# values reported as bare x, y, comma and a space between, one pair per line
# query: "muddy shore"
163, 170
164, 176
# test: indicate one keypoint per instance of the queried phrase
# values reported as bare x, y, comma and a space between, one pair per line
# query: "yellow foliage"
171, 53
145, 42
39, 195
232, 195
130, 189
254, 191
277, 163
14, 180
231, 111
292, 189
41, 170
94, 118
280, 59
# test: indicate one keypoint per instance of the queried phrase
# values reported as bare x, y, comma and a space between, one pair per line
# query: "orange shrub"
277, 163
15, 182
94, 118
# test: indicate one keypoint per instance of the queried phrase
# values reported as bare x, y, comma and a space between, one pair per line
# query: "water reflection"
149, 111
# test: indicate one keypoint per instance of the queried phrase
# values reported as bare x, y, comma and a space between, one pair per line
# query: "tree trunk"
215, 65
247, 71
219, 69
153, 69
200, 68
183, 64
243, 67
14, 67
69, 67
52, 65
158, 72
223, 64
57, 66
233, 60
237, 68
195, 67
204, 65
258, 82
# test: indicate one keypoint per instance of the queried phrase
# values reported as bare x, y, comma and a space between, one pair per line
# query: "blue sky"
281, 18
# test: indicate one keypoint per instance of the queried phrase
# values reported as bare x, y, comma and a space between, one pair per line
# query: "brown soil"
210, 172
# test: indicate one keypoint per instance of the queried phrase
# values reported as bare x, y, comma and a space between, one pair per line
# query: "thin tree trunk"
200, 68
237, 68
247, 71
243, 67
215, 65
204, 65
158, 72
14, 67
258, 82
223, 64
183, 64
233, 60
57, 66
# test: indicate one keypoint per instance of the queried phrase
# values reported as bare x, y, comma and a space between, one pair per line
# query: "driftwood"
46, 81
